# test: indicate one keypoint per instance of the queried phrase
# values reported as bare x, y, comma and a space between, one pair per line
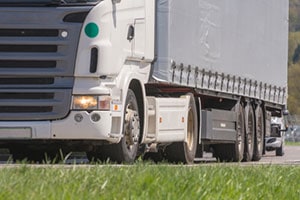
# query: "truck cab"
275, 140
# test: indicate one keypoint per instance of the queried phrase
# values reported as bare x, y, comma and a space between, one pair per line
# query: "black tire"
259, 134
233, 152
279, 151
239, 146
153, 156
224, 152
126, 150
250, 133
184, 152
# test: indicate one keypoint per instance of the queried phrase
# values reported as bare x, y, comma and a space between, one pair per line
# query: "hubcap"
190, 135
132, 127
250, 132
259, 133
239, 139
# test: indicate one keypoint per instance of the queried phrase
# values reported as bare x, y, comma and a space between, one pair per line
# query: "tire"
279, 151
233, 152
250, 133
153, 156
127, 149
239, 146
224, 152
259, 134
184, 152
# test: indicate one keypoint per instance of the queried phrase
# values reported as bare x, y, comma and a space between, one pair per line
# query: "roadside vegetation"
294, 58
147, 181
292, 143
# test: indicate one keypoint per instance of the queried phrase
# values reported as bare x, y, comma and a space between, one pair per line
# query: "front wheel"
126, 150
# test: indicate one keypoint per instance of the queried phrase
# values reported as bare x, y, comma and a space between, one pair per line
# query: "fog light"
64, 34
78, 117
95, 117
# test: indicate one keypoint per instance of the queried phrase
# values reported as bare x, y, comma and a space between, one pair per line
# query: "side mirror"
285, 112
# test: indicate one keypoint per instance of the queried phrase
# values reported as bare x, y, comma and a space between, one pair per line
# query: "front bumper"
273, 143
108, 128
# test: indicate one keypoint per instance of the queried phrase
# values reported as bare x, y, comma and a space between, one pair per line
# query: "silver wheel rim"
190, 135
132, 127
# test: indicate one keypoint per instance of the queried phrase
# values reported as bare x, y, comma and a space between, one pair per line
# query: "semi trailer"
120, 79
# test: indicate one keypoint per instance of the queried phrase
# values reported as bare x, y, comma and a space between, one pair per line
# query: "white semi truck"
123, 78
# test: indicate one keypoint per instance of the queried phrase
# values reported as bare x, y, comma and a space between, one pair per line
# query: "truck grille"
28, 33
37, 61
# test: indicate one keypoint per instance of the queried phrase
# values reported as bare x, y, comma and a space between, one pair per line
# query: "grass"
292, 143
147, 181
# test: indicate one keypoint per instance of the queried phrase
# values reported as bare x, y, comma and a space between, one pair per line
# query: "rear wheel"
250, 131
259, 134
185, 151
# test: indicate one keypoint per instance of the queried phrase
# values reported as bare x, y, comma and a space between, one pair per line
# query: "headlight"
85, 102
91, 102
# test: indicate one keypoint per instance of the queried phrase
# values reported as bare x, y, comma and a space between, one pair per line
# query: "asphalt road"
291, 157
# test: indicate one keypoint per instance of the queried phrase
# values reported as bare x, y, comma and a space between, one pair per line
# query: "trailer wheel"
259, 135
239, 145
250, 132
233, 152
184, 152
126, 150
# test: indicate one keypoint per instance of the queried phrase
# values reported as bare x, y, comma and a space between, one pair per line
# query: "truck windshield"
47, 2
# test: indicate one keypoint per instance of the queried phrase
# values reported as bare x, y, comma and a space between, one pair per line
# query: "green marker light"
91, 30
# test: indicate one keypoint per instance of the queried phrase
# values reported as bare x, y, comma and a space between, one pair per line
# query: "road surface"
291, 157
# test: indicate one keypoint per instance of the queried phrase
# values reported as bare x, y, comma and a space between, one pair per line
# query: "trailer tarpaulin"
231, 46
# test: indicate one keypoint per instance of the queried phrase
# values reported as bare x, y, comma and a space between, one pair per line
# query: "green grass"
147, 181
292, 143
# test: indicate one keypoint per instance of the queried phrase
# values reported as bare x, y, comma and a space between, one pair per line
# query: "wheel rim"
132, 126
240, 134
190, 135
259, 132
250, 132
